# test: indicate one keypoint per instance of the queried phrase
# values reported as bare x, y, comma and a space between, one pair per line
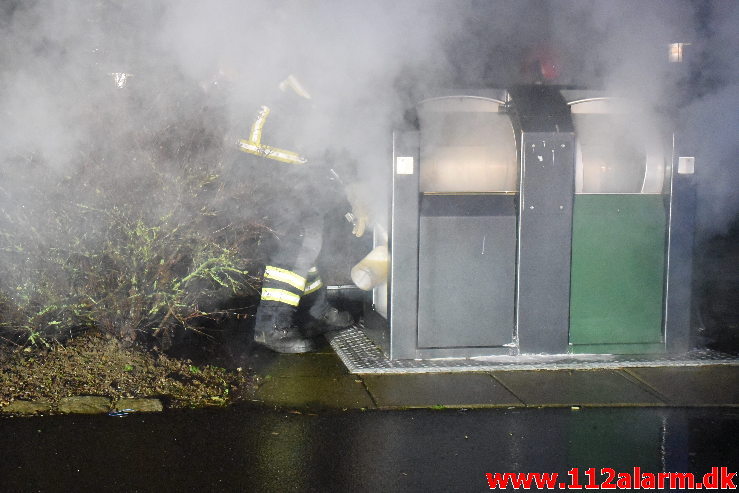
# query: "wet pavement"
313, 426
258, 449
320, 381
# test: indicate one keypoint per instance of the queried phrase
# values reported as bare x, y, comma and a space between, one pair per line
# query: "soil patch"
100, 365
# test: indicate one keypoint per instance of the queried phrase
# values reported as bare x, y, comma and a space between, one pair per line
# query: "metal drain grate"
361, 356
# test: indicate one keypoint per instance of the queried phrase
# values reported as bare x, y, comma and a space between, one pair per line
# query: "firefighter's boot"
331, 320
322, 317
274, 329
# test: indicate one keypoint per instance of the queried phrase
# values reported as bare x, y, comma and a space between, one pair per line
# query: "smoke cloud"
97, 93
365, 61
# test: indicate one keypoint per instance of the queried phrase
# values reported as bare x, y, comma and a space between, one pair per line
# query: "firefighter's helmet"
541, 65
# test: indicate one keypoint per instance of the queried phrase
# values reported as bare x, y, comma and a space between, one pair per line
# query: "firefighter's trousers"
291, 282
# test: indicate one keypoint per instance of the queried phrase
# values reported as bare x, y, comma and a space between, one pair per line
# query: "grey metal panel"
376, 328
540, 108
545, 241
465, 352
375, 324
403, 246
467, 272
680, 238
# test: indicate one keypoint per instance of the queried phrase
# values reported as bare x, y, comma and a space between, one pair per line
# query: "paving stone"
139, 405
27, 407
576, 387
343, 392
323, 347
84, 404
693, 386
304, 365
265, 362
439, 389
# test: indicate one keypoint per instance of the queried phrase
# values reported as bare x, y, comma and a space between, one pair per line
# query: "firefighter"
293, 309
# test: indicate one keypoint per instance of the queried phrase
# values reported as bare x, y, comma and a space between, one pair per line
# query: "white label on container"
404, 165
685, 165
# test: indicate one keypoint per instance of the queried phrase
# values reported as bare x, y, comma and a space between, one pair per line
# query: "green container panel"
617, 285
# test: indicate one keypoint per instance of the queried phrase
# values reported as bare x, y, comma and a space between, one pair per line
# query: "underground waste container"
533, 220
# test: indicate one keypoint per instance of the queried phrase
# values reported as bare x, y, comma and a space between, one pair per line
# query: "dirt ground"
191, 373
100, 365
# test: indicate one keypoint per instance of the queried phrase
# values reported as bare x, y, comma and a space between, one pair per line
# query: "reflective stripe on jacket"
254, 145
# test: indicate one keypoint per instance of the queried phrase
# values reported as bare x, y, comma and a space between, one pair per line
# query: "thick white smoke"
365, 62
349, 55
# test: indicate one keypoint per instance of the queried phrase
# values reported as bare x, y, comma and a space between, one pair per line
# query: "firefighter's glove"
359, 216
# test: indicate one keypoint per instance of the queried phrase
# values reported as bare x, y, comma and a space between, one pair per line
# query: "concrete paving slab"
441, 389
138, 405
27, 407
576, 388
342, 392
84, 404
693, 386
304, 365
323, 346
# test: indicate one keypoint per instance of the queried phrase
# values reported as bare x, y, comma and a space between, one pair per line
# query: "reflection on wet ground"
255, 449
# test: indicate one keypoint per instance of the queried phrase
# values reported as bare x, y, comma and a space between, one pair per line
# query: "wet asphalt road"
254, 449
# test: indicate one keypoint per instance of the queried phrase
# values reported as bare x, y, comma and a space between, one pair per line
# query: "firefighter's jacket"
285, 157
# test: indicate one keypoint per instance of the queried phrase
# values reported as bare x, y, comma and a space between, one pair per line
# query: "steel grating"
362, 356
